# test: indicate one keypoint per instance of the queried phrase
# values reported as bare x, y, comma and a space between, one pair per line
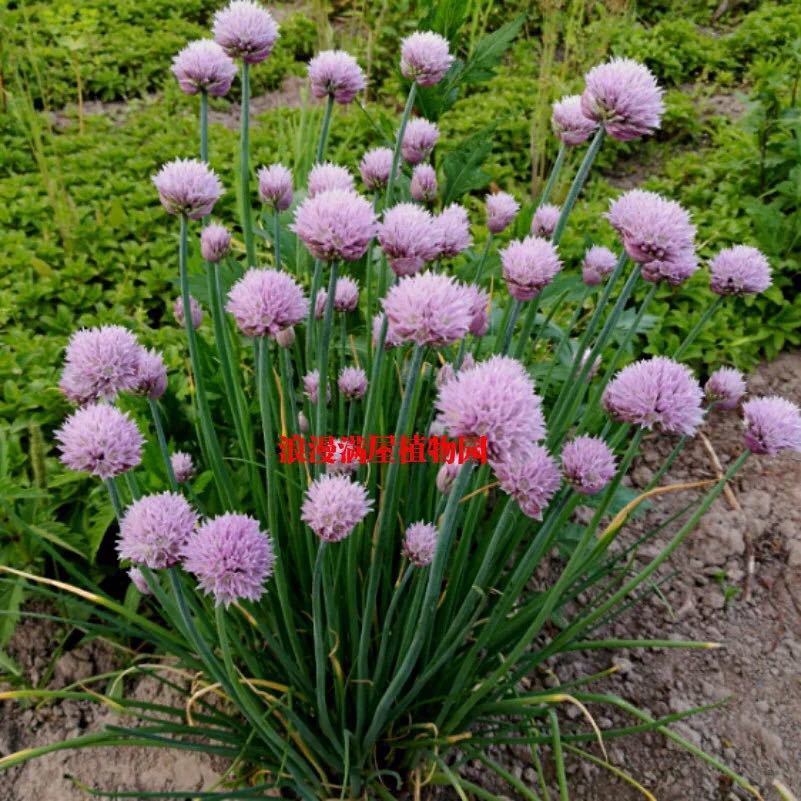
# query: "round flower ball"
624, 97
529, 265
419, 140
407, 237
334, 505
203, 66
479, 314
100, 363
420, 543
494, 399
375, 167
195, 311
391, 340
182, 466
335, 225
215, 242
545, 219
656, 393
265, 302
155, 529
428, 309
325, 176
772, 425
425, 58
588, 464
741, 270
452, 231
311, 386
346, 297
352, 383
151, 374
245, 30
570, 124
725, 387
423, 186
598, 263
531, 477
188, 187
336, 74
101, 440
501, 209
275, 186
231, 558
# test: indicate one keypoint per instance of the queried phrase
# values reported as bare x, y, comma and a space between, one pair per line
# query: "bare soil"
757, 732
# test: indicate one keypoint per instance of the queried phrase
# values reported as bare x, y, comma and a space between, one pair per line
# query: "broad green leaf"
462, 166
489, 51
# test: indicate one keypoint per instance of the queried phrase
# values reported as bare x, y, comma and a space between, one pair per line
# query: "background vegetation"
86, 89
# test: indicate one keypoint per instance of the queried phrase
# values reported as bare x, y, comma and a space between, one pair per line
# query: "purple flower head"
531, 477
155, 529
623, 96
428, 309
423, 187
285, 338
194, 307
772, 425
342, 464
569, 122
452, 231
327, 176
494, 399
425, 58
101, 440
588, 464
407, 238
264, 302
446, 475
391, 340
334, 506
215, 242
182, 466
656, 393
725, 387
231, 558
419, 140
420, 543
188, 187
275, 186
335, 225
138, 580
598, 263
337, 74
545, 219
151, 374
375, 167
656, 233
311, 387
529, 265
352, 383
100, 363
479, 310
346, 297
741, 270
203, 66
245, 30
501, 209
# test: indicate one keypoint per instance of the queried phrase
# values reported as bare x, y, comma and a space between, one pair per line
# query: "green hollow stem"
578, 183
204, 126
384, 708
277, 238
162, 440
510, 326
325, 128
263, 384
528, 326
244, 167
315, 288
208, 433
554, 176
322, 353
407, 111
558, 758
698, 327
483, 260
114, 496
